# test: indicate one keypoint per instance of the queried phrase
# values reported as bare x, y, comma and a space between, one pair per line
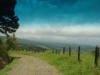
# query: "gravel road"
29, 65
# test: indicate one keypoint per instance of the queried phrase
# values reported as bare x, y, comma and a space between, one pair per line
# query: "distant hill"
24, 44
33, 45
53, 45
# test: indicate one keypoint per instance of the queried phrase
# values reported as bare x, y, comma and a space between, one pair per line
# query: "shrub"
4, 58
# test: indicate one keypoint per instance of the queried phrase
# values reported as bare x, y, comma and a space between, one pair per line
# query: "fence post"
64, 50
70, 49
56, 51
79, 53
53, 51
96, 55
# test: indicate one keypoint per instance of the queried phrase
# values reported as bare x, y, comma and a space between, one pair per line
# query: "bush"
11, 43
4, 58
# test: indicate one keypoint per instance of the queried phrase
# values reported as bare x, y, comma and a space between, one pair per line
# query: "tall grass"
8, 67
68, 65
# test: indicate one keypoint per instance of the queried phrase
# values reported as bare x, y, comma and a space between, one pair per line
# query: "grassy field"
8, 67
67, 65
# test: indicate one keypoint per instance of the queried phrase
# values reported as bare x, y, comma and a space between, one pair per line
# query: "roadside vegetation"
4, 58
5, 46
8, 67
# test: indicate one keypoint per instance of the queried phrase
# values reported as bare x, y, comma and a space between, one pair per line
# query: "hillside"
31, 44
34, 44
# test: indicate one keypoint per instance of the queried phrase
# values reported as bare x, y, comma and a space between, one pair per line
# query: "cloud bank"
80, 35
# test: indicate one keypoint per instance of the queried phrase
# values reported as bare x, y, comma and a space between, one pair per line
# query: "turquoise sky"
58, 12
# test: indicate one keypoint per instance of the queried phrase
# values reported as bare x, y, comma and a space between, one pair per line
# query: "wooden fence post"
53, 51
70, 49
79, 53
64, 49
96, 55
56, 51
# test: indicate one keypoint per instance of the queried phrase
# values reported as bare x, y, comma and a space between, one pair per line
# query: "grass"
67, 65
8, 67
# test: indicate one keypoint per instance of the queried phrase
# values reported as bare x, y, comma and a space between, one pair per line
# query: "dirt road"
29, 65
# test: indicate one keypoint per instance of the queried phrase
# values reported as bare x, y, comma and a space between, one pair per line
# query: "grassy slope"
8, 67
68, 65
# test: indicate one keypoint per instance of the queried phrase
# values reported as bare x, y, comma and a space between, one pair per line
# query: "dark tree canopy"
8, 20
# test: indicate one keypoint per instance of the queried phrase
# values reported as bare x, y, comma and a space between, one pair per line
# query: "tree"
9, 43
12, 42
8, 20
15, 43
8, 24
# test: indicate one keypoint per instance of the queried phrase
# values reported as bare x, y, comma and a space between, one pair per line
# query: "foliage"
8, 24
8, 67
11, 42
8, 20
4, 58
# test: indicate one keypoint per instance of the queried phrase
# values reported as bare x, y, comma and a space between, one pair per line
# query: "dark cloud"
59, 11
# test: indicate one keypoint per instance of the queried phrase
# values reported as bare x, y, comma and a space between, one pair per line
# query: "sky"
72, 21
